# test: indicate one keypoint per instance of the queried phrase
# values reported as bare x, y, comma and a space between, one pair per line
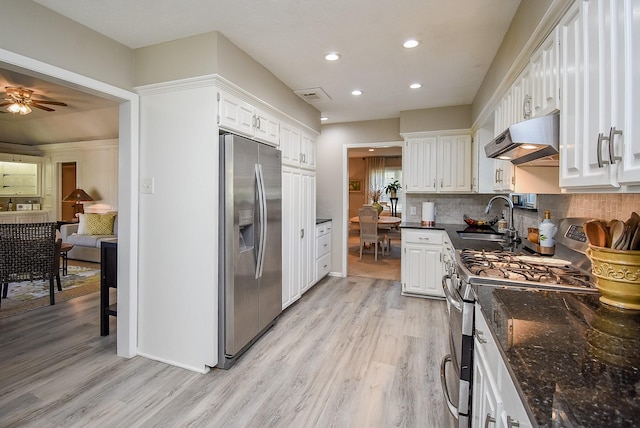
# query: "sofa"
86, 235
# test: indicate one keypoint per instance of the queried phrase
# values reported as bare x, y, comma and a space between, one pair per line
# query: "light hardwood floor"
351, 353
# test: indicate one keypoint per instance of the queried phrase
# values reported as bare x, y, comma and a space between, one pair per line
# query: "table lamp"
77, 196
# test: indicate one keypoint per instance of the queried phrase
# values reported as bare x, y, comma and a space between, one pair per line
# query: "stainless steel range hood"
533, 142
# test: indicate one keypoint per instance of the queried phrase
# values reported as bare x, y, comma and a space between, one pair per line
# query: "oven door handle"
448, 296
443, 380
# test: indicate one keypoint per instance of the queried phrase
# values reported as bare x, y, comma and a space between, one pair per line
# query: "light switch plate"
147, 185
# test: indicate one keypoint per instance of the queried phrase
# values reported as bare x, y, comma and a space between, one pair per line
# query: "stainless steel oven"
569, 271
456, 369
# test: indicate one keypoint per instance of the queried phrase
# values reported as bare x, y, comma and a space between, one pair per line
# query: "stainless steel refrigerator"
250, 282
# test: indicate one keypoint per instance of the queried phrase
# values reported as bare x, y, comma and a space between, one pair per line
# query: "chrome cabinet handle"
479, 334
441, 182
434, 183
612, 133
512, 423
443, 381
526, 107
601, 137
489, 420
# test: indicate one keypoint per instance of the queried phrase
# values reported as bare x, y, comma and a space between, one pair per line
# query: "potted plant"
393, 188
375, 194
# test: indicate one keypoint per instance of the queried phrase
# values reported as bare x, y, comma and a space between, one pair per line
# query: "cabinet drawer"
323, 266
323, 229
422, 237
323, 245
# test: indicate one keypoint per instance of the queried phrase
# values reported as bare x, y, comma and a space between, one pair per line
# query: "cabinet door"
291, 236
454, 161
235, 114
545, 76
421, 269
308, 214
627, 21
267, 128
420, 164
486, 407
504, 176
586, 102
308, 149
290, 141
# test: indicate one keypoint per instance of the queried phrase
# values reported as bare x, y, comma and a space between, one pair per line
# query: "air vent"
313, 95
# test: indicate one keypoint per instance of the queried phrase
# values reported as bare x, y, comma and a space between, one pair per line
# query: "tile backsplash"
451, 208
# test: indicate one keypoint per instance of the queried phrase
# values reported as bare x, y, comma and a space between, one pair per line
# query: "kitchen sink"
481, 236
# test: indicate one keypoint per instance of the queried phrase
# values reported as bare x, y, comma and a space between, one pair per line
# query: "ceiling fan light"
25, 109
14, 108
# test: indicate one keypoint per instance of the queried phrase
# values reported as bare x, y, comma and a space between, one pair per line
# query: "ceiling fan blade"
41, 107
55, 103
6, 103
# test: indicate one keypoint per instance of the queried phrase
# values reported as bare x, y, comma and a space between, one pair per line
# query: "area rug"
29, 295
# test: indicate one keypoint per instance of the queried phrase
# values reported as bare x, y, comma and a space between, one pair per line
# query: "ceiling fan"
19, 101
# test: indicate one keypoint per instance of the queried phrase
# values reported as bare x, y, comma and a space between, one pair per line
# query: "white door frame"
345, 191
128, 165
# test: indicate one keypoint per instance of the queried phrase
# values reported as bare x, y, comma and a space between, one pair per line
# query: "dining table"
384, 222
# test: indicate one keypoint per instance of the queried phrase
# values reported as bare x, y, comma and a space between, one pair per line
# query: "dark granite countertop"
575, 361
322, 220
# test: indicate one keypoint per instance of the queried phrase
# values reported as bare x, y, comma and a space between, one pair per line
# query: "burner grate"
513, 267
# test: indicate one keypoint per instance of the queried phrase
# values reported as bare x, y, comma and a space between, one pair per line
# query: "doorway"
369, 168
67, 185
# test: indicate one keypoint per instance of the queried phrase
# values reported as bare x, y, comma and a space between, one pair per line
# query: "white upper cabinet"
535, 92
308, 151
239, 116
437, 163
600, 79
544, 72
290, 144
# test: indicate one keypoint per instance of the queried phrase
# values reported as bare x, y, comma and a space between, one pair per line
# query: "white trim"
223, 84
127, 183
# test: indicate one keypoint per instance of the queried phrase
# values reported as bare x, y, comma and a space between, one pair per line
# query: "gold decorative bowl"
617, 275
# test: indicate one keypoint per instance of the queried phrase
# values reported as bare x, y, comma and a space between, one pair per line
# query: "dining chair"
369, 233
27, 252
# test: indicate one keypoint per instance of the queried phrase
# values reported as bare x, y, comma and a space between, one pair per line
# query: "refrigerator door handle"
262, 213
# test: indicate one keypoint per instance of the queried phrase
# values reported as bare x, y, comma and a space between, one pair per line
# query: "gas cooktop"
503, 268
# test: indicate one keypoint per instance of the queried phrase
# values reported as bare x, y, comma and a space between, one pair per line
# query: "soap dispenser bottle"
547, 230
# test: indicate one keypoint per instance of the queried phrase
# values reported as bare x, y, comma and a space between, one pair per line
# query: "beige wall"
436, 119
56, 40
212, 53
330, 165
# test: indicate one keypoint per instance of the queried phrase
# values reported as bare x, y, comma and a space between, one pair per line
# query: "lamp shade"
77, 195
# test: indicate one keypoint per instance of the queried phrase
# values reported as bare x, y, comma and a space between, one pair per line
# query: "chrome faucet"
512, 231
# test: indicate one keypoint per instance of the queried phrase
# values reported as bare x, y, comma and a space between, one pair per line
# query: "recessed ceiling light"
332, 56
415, 86
356, 92
323, 118
411, 44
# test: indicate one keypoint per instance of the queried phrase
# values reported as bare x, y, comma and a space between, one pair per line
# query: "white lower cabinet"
496, 402
421, 263
23, 217
323, 250
298, 233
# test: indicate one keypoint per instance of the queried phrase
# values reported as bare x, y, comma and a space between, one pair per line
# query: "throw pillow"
100, 224
82, 224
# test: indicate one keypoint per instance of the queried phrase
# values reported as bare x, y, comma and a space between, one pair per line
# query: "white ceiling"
459, 39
